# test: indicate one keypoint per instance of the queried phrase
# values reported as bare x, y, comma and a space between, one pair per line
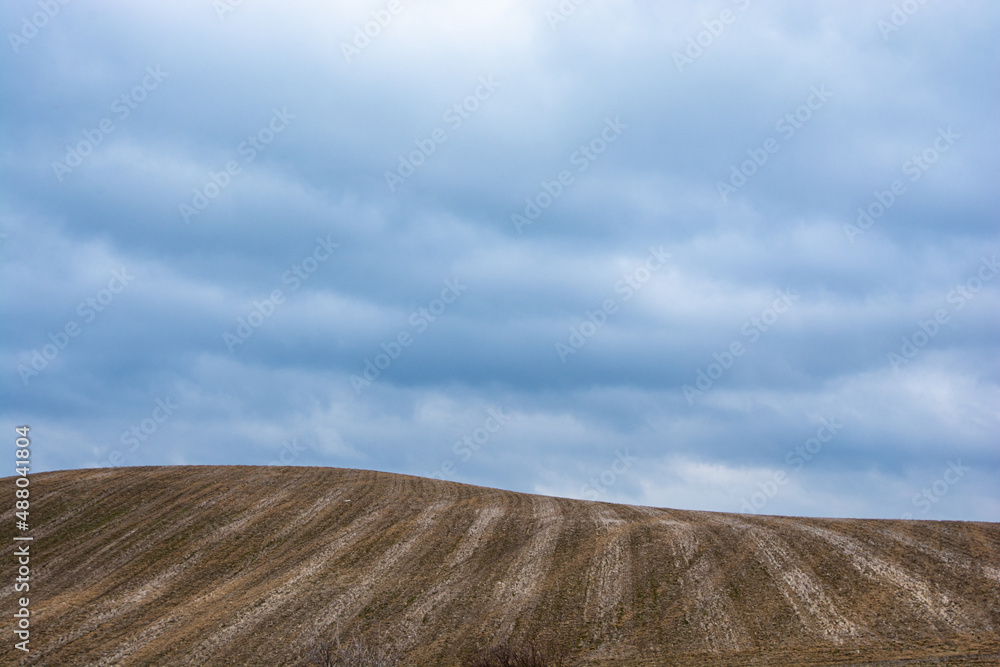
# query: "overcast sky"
723, 255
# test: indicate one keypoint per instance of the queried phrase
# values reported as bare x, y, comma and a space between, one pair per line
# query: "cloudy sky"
725, 255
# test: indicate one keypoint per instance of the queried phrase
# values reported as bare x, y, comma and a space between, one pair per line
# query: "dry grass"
355, 652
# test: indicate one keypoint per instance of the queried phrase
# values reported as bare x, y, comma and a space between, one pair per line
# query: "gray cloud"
828, 105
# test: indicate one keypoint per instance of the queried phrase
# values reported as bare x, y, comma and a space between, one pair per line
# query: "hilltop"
232, 565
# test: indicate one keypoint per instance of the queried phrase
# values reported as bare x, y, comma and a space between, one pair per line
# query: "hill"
231, 565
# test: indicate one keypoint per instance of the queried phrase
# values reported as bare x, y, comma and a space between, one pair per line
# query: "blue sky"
707, 255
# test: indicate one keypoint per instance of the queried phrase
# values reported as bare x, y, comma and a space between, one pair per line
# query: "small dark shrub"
352, 653
506, 655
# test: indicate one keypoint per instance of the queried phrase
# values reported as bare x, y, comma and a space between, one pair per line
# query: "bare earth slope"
229, 565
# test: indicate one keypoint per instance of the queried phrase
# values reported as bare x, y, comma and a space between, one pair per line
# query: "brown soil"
213, 565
